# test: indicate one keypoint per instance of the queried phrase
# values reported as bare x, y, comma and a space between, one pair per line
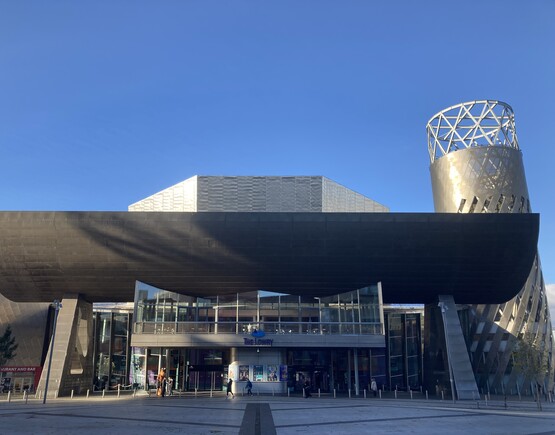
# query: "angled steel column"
56, 305
461, 375
70, 353
443, 309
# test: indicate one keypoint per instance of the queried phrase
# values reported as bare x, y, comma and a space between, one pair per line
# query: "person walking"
229, 387
161, 383
169, 386
374, 387
249, 387
306, 388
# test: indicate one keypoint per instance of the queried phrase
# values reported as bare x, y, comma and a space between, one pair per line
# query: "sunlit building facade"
281, 280
476, 167
278, 341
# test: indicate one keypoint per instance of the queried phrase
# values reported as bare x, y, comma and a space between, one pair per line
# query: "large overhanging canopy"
478, 258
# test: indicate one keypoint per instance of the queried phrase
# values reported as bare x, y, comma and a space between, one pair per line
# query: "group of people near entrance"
163, 384
248, 387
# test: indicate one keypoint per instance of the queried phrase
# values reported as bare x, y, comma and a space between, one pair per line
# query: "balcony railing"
324, 328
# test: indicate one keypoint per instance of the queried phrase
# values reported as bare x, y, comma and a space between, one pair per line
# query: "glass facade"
334, 369
112, 352
162, 312
356, 313
397, 364
404, 350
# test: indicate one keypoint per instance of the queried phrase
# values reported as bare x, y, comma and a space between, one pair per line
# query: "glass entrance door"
206, 380
21, 384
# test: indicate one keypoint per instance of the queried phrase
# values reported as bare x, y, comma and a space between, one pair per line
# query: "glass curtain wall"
112, 351
395, 350
404, 350
162, 312
413, 350
103, 340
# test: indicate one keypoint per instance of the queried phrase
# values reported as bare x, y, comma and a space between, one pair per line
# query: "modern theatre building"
281, 280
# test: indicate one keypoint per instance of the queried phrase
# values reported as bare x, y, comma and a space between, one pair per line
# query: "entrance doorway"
206, 378
22, 384
318, 378
321, 381
189, 369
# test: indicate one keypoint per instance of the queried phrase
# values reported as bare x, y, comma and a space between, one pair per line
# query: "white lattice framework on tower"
466, 125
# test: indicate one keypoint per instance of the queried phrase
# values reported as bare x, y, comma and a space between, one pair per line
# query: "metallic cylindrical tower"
476, 167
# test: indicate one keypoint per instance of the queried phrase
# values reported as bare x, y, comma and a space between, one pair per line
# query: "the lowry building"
279, 279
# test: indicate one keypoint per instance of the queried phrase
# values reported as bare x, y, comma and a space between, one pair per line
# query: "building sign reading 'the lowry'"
258, 341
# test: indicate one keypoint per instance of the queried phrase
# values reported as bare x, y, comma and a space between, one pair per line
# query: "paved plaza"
202, 414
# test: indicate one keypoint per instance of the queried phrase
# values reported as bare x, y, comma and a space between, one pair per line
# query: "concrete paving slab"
261, 415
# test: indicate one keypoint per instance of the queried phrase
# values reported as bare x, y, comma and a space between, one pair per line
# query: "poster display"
233, 372
258, 373
243, 372
272, 373
283, 373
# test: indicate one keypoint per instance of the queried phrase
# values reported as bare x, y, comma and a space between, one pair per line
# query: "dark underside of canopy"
478, 258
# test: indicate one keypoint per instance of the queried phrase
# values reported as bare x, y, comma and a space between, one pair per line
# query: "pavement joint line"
134, 419
531, 413
184, 406
376, 420
258, 420
466, 411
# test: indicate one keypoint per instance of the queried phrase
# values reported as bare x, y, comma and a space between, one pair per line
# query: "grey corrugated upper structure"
312, 194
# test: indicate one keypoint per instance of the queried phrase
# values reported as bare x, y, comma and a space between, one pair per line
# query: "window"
473, 205
500, 202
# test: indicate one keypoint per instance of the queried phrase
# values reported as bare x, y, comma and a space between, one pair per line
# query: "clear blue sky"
103, 103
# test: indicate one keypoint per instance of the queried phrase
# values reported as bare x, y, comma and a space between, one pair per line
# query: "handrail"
271, 328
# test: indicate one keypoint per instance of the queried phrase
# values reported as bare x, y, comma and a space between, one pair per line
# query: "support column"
145, 368
71, 361
357, 388
349, 369
186, 356
380, 302
332, 370
462, 381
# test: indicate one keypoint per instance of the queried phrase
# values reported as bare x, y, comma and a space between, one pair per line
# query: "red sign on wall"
19, 369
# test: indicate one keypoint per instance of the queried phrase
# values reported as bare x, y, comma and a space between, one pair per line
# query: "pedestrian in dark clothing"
306, 388
229, 385
249, 387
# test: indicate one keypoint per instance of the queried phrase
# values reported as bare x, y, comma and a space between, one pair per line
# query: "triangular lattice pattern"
472, 124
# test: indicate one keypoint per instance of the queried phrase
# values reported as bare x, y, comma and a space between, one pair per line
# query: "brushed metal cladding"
179, 197
258, 194
483, 257
477, 167
480, 180
337, 198
29, 327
